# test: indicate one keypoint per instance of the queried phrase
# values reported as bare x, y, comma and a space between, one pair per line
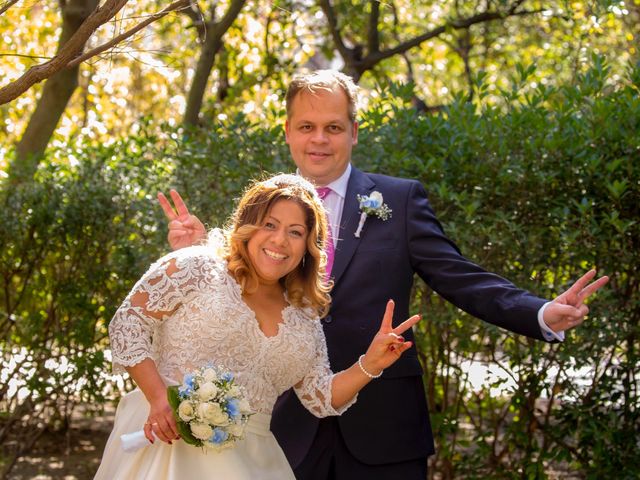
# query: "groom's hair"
306, 285
324, 80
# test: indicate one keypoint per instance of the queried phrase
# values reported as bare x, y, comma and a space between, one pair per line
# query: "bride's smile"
278, 246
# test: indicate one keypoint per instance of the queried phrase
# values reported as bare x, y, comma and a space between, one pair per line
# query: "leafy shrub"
538, 188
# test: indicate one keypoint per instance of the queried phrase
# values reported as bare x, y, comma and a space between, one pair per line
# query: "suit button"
327, 319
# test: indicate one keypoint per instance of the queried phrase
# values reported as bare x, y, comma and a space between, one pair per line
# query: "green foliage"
538, 187
74, 241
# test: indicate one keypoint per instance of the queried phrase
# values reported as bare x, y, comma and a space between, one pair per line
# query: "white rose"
204, 410
201, 431
236, 429
376, 197
185, 410
212, 413
207, 391
209, 375
244, 406
219, 418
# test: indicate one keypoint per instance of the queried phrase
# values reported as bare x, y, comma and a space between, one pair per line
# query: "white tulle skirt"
257, 456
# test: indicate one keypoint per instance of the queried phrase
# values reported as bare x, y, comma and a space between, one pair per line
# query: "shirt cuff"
548, 334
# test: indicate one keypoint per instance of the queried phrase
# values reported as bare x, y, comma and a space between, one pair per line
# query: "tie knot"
323, 192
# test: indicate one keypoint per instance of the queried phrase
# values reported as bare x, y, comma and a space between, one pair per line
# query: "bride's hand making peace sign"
388, 345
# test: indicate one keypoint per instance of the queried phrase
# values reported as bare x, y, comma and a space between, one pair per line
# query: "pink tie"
323, 192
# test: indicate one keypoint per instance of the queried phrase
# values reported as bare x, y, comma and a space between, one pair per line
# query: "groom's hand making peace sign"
568, 310
184, 229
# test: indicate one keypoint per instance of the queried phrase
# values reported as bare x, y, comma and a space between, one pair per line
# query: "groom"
386, 434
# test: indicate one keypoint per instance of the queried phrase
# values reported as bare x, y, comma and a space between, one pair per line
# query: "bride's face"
277, 247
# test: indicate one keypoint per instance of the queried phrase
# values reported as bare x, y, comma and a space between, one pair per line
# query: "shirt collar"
340, 184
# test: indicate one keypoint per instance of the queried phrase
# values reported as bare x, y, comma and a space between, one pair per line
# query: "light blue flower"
227, 376
368, 202
219, 436
188, 384
233, 407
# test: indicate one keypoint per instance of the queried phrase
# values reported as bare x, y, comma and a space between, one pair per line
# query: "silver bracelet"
364, 371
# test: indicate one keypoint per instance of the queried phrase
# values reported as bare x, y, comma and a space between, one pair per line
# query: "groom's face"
321, 135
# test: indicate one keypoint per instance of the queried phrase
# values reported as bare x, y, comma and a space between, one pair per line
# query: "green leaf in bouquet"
183, 428
186, 435
174, 397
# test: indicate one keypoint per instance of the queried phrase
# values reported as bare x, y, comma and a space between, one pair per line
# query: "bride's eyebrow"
271, 217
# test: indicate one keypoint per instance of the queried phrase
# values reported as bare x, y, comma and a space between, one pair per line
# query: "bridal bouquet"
211, 411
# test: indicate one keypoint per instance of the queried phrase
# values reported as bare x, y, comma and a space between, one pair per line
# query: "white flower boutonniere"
372, 205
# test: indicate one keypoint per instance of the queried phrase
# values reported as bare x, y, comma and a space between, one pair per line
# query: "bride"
250, 300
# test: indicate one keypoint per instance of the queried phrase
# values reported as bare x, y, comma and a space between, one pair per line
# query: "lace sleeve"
314, 391
159, 293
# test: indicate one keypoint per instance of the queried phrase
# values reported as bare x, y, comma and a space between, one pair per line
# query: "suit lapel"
359, 184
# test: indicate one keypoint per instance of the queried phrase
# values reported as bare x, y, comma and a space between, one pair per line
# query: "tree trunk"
212, 45
201, 77
56, 93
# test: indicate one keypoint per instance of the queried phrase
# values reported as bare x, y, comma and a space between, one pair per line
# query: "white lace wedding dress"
209, 322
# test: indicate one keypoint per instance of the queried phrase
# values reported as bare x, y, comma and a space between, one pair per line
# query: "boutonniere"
372, 205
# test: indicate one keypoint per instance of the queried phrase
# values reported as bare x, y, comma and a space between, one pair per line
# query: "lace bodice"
187, 311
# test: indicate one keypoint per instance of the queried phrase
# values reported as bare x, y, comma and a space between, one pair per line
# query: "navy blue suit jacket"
390, 421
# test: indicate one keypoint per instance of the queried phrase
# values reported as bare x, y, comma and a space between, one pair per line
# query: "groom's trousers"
330, 459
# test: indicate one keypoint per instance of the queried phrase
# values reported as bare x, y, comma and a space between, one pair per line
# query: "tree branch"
231, 14
32, 57
332, 22
7, 5
419, 104
197, 17
373, 38
69, 51
180, 4
374, 58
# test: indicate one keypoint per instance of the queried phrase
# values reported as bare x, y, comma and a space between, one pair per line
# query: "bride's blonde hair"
306, 285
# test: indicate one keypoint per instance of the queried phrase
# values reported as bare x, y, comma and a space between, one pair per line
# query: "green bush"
74, 240
539, 189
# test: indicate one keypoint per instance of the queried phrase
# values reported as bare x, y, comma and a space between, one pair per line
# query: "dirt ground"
74, 456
